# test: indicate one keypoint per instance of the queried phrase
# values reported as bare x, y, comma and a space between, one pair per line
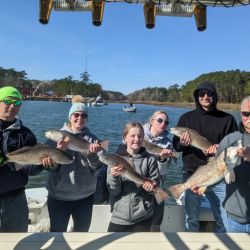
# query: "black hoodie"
213, 125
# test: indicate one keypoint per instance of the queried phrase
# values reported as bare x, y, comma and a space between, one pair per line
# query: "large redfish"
129, 173
156, 150
197, 140
34, 155
211, 173
74, 143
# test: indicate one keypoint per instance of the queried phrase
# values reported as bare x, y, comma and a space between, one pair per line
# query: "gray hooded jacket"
132, 204
76, 180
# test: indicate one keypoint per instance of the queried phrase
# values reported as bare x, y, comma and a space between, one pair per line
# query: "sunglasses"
8, 102
204, 92
245, 113
82, 115
160, 120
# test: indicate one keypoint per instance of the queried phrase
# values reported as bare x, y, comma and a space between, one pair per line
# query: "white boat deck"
123, 241
171, 237
173, 220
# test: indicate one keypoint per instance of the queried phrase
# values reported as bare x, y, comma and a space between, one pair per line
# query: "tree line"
232, 86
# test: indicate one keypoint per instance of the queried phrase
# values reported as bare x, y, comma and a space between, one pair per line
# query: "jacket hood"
206, 85
11, 125
67, 128
122, 150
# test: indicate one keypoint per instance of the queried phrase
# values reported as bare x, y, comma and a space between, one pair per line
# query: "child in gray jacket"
132, 205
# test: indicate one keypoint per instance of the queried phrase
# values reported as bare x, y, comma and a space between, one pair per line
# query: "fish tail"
105, 145
160, 195
177, 190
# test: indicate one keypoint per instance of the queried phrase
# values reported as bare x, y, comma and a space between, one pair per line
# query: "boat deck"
122, 241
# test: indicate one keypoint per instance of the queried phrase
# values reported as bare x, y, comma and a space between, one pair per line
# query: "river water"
106, 122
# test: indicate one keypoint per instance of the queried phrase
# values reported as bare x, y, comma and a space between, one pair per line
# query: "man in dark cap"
214, 125
13, 135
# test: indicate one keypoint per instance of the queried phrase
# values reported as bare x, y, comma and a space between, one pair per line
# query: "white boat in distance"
129, 108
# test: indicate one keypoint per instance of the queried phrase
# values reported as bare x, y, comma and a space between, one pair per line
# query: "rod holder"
200, 15
149, 14
97, 12
45, 10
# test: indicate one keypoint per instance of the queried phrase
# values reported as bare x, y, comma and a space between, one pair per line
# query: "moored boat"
129, 109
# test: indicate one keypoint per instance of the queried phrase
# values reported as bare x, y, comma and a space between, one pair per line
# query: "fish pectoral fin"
160, 195
105, 145
204, 152
230, 177
18, 166
85, 153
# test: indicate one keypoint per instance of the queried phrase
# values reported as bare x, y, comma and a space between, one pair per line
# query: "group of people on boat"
71, 188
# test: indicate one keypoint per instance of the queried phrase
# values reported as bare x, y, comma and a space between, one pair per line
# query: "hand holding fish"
245, 153
149, 185
166, 153
117, 170
63, 144
48, 162
212, 149
94, 147
185, 139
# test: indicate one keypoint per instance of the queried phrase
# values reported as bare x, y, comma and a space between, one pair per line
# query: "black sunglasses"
82, 115
203, 92
245, 113
160, 120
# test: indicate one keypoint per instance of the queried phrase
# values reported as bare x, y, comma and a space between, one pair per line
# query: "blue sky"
122, 54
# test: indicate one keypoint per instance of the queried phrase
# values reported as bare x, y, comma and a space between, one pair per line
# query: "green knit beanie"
11, 92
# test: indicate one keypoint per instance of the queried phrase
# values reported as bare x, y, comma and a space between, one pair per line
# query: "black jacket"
213, 125
12, 138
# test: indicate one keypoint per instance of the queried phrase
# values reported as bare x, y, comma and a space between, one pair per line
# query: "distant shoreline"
223, 106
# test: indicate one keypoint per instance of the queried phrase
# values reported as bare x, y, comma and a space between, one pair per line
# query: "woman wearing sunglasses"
156, 132
71, 187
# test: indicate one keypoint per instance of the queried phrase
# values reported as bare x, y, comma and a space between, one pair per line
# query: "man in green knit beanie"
13, 135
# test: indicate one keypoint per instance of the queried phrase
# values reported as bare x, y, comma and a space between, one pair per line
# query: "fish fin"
85, 153
105, 145
18, 166
175, 156
230, 177
204, 152
177, 190
23, 149
160, 195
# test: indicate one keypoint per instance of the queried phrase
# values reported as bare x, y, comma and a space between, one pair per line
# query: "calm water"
106, 122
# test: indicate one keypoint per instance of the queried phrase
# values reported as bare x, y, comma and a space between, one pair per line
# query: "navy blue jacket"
13, 137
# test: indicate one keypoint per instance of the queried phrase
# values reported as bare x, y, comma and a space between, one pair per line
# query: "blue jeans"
60, 211
215, 195
236, 227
